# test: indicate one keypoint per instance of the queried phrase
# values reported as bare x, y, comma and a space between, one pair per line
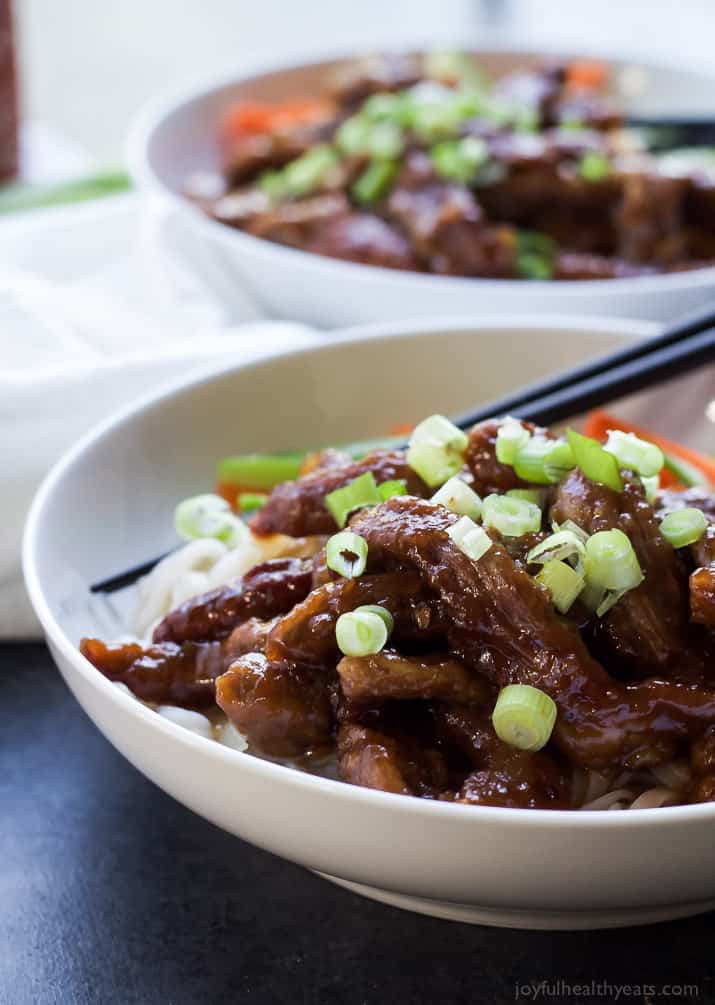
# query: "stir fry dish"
506, 617
427, 165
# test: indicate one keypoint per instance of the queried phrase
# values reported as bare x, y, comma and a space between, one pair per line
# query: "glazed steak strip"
389, 675
282, 710
165, 674
502, 775
268, 589
390, 763
647, 630
488, 474
504, 625
307, 634
298, 508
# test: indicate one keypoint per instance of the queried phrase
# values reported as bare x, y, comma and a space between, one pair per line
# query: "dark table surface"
112, 892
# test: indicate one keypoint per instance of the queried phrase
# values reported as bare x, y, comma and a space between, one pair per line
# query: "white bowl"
108, 505
177, 136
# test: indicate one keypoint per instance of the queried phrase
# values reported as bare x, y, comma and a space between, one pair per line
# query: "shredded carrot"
261, 117
598, 423
231, 492
586, 75
401, 429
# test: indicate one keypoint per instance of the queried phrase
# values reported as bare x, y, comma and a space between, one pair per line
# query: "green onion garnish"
634, 453
459, 67
250, 501
382, 612
393, 108
471, 539
683, 526
435, 121
651, 484
394, 487
687, 474
535, 255
563, 583
346, 554
563, 545
361, 632
361, 491
305, 174
511, 517
594, 166
209, 516
511, 437
22, 196
436, 450
375, 181
595, 462
460, 160
524, 717
542, 460
351, 137
382, 140
610, 561
528, 495
456, 495
260, 471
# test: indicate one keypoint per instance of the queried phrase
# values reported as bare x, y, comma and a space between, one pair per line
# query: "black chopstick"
685, 345
668, 132
674, 332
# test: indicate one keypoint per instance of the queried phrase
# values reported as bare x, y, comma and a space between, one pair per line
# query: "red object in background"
8, 95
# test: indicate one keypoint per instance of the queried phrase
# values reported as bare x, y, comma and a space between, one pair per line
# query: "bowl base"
540, 920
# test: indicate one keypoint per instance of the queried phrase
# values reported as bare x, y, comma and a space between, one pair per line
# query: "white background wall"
89, 64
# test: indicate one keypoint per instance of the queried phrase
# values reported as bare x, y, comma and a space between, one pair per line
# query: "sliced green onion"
563, 545
511, 517
528, 495
305, 174
535, 255
361, 491
572, 124
382, 612
260, 471
512, 436
611, 562
687, 474
683, 526
434, 121
456, 495
209, 516
459, 67
471, 539
524, 717
460, 160
594, 166
375, 181
559, 461
250, 501
573, 527
392, 108
593, 596
534, 460
634, 453
394, 487
33, 195
352, 135
272, 184
563, 583
595, 462
651, 484
360, 633
436, 450
346, 554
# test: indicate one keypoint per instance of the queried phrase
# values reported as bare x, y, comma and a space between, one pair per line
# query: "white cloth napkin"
97, 307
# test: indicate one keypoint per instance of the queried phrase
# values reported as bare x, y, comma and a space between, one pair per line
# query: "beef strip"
281, 709
391, 763
297, 223
501, 775
487, 473
649, 218
503, 624
365, 238
248, 637
389, 675
164, 674
447, 228
249, 154
298, 508
374, 75
267, 589
646, 632
702, 764
306, 635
